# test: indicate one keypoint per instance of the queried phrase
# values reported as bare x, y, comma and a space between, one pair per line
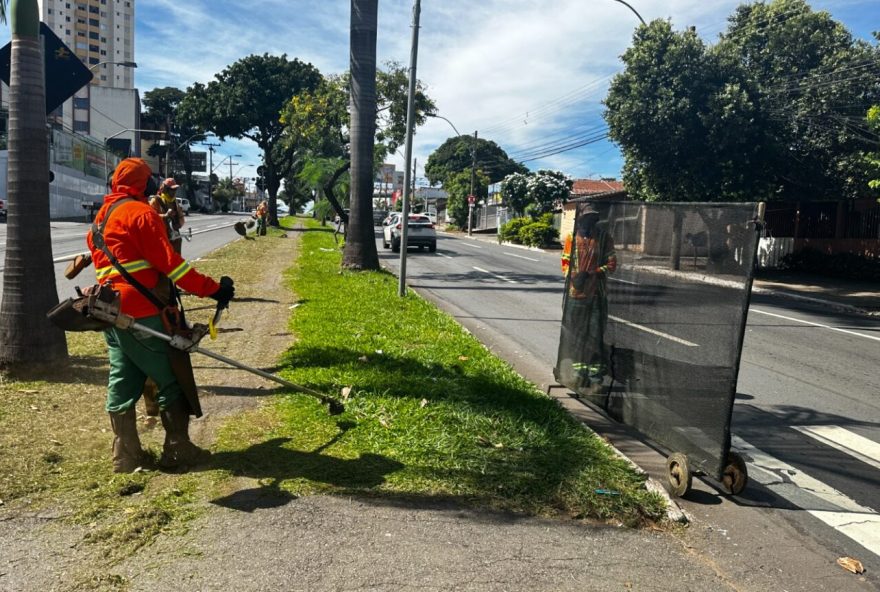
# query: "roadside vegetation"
430, 415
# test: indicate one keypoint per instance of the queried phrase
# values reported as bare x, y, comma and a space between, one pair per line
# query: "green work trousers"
134, 356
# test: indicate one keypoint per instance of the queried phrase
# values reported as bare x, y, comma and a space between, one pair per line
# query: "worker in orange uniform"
130, 248
587, 259
262, 214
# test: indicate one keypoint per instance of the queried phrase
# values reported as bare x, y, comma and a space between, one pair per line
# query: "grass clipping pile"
55, 437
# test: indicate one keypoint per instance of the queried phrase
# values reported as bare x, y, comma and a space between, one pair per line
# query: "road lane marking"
829, 327
857, 522
521, 257
500, 277
623, 281
442, 255
839, 438
654, 332
466, 244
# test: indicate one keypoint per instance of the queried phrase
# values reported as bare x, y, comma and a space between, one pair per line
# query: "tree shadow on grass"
408, 377
276, 460
91, 370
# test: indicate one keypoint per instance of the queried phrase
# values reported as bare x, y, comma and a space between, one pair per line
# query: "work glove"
225, 292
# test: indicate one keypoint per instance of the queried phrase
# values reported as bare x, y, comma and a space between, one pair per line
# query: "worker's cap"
170, 183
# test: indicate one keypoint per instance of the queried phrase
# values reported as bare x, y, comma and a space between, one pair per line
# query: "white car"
420, 233
184, 204
282, 208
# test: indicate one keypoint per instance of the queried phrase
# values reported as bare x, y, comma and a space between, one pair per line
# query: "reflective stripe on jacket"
137, 237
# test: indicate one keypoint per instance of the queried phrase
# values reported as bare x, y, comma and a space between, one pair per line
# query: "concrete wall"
67, 193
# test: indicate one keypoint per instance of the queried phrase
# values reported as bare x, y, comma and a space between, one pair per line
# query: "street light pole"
633, 9
471, 197
410, 125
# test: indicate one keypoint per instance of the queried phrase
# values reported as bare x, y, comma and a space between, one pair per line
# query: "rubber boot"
127, 452
179, 452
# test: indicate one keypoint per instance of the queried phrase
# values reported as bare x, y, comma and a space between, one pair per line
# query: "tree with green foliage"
456, 155
226, 192
161, 112
245, 100
813, 84
27, 338
548, 190
515, 192
317, 122
873, 158
536, 193
767, 113
458, 187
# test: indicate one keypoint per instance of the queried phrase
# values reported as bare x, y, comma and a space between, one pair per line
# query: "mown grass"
431, 415
55, 441
430, 412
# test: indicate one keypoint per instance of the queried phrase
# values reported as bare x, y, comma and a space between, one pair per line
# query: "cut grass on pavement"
430, 413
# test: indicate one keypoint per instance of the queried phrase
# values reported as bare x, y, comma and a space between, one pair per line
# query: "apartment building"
101, 34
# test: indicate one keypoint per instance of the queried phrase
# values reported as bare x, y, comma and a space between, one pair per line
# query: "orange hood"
130, 180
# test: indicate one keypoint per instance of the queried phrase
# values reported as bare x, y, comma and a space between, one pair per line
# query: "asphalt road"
807, 411
209, 231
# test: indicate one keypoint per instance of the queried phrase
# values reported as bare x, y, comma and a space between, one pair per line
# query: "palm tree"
360, 244
26, 336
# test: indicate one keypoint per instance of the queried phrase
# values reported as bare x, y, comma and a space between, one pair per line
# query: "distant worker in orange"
262, 217
587, 259
165, 204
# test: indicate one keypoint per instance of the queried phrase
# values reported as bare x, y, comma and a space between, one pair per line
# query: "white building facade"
101, 34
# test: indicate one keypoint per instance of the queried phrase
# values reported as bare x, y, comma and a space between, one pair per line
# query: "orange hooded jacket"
137, 237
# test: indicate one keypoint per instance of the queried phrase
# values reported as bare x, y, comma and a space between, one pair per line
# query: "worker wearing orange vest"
262, 215
137, 238
587, 259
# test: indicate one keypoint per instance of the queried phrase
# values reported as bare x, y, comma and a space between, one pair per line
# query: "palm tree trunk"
26, 336
360, 244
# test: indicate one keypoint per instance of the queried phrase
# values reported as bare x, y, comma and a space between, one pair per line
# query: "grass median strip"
430, 412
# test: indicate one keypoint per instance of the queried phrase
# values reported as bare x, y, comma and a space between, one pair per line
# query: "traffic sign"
65, 73
472, 199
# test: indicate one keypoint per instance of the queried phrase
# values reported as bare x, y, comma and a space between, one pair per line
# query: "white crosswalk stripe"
846, 441
834, 508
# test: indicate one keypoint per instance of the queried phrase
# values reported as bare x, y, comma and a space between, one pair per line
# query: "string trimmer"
109, 313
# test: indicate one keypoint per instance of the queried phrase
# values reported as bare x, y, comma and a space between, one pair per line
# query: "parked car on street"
421, 232
184, 204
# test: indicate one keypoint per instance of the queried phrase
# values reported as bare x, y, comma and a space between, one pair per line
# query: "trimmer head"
335, 407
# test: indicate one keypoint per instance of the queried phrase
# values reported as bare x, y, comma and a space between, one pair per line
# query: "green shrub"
538, 234
510, 232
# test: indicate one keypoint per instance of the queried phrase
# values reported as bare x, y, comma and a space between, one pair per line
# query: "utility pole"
168, 145
210, 170
471, 197
407, 157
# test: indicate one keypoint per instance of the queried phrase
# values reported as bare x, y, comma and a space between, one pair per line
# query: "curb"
831, 304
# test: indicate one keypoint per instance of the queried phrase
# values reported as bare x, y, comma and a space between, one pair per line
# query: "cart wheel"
736, 475
678, 473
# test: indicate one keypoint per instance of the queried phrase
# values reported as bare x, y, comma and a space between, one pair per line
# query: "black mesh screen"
653, 318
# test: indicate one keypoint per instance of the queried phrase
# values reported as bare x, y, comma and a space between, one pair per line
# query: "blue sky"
528, 74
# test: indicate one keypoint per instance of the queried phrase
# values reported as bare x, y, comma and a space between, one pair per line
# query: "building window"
81, 126
103, 78
80, 103
93, 22
94, 10
94, 48
94, 61
94, 35
103, 52
80, 34
81, 45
